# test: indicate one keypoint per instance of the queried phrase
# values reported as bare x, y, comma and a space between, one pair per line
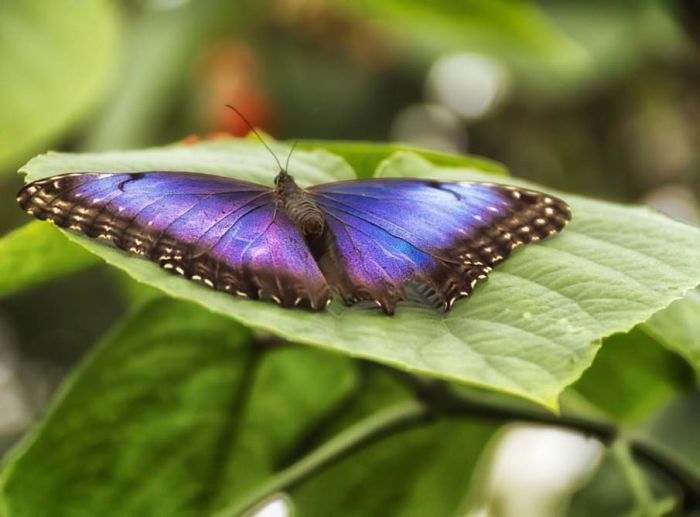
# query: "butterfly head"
282, 177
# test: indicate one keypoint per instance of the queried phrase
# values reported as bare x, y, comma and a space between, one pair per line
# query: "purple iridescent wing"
227, 234
390, 239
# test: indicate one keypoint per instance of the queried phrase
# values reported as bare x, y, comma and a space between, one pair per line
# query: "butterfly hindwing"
230, 235
391, 238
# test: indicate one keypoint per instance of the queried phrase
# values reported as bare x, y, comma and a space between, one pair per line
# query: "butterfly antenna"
258, 135
286, 165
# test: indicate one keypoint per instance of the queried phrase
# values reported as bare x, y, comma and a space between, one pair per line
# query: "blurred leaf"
651, 376
620, 36
678, 327
606, 494
37, 253
172, 411
677, 426
130, 291
531, 330
624, 486
645, 504
518, 33
56, 60
419, 472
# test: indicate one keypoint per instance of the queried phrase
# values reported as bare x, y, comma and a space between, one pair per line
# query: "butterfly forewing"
227, 234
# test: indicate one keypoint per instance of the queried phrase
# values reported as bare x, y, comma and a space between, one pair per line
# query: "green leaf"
37, 253
234, 158
56, 60
531, 330
365, 157
608, 493
678, 327
633, 375
621, 486
676, 426
172, 412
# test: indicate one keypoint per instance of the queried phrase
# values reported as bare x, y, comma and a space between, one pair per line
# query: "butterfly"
383, 240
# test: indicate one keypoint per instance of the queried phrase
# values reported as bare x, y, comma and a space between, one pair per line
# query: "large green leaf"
36, 253
530, 330
172, 413
56, 60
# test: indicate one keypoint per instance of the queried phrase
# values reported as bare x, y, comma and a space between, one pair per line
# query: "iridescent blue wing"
389, 239
227, 234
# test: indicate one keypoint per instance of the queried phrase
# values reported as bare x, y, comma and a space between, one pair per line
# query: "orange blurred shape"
190, 140
216, 135
230, 76
223, 135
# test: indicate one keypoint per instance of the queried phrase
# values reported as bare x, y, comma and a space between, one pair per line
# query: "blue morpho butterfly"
383, 240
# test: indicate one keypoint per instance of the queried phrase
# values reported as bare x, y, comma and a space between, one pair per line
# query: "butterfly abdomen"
299, 206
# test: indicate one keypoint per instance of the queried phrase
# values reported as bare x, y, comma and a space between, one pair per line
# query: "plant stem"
399, 417
443, 401
436, 400
672, 466
458, 406
635, 480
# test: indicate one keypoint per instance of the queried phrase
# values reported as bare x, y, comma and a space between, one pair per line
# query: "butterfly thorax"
299, 206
